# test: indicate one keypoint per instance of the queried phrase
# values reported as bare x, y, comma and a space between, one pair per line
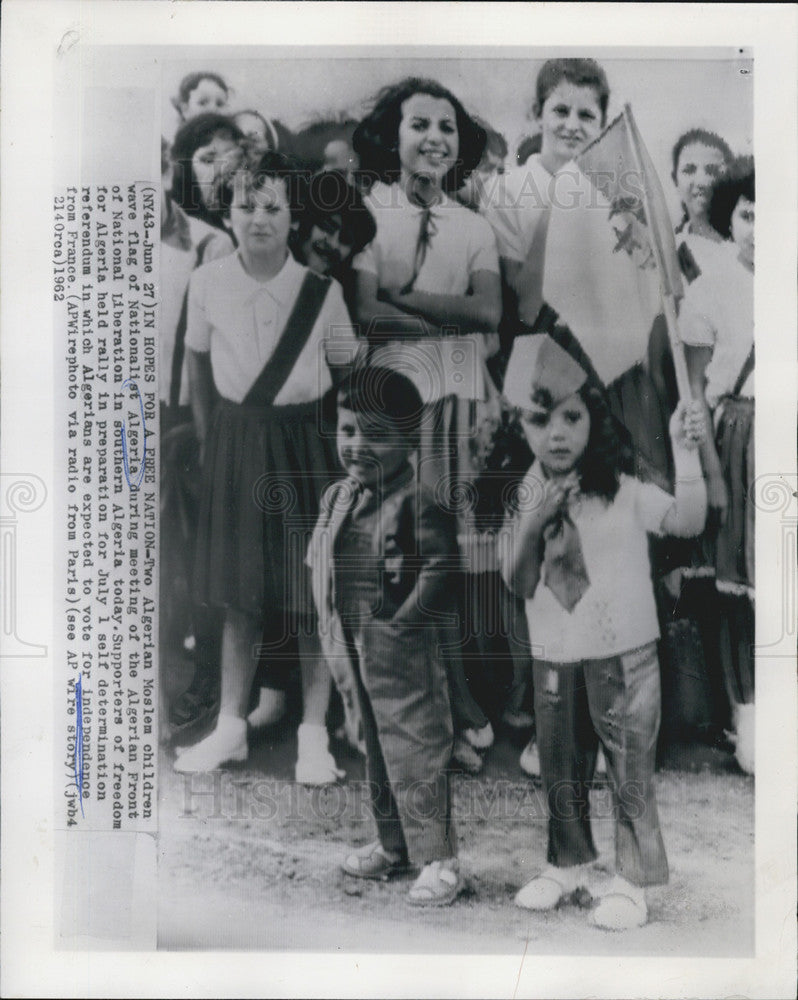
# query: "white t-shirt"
461, 244
617, 611
718, 311
180, 238
239, 320
516, 205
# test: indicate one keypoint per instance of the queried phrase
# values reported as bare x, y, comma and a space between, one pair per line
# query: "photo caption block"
105, 290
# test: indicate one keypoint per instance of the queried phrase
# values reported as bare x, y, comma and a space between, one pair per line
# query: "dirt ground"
249, 860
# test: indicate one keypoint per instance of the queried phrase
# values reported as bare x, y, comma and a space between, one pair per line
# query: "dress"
462, 408
718, 312
596, 676
381, 565
185, 244
271, 448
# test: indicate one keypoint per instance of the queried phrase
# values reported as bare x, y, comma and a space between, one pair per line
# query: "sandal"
622, 907
438, 884
373, 861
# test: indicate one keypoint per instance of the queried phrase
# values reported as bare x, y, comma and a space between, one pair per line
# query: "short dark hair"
191, 136
738, 182
699, 136
389, 398
376, 139
529, 145
191, 81
274, 166
329, 194
580, 73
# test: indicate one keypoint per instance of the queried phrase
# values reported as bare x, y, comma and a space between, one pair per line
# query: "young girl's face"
212, 162
557, 437
367, 453
569, 119
428, 140
261, 217
206, 96
698, 168
324, 249
742, 230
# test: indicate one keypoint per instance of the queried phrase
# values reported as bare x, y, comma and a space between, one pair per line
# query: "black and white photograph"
407, 507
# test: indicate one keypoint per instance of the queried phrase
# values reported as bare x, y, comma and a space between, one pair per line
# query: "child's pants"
616, 700
407, 729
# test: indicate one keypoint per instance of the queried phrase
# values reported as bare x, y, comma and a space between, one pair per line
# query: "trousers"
615, 700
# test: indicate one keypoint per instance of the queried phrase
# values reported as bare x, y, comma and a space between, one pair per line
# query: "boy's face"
569, 119
370, 451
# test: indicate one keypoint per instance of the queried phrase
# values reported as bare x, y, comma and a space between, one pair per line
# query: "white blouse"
718, 312
239, 320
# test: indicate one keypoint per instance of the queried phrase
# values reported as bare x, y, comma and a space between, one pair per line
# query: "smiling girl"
432, 271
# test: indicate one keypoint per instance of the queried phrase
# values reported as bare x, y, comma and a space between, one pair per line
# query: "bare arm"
200, 380
717, 499
477, 312
688, 514
374, 315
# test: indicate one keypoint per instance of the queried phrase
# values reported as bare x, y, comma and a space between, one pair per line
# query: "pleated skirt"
265, 471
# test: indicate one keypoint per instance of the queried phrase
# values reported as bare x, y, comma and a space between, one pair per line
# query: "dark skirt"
734, 438
265, 470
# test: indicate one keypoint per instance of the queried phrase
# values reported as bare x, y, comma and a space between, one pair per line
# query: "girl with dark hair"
206, 152
260, 333
432, 272
699, 158
261, 135
577, 552
716, 322
199, 93
334, 227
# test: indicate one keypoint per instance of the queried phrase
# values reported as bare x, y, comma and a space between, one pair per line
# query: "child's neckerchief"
564, 569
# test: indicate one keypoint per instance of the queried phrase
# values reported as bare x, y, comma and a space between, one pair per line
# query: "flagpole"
668, 299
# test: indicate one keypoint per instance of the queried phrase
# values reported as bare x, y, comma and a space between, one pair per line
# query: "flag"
611, 260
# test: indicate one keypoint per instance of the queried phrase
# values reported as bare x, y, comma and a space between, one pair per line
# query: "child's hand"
541, 502
688, 427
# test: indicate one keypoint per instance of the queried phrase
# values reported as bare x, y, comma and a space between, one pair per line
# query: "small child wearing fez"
577, 552
383, 555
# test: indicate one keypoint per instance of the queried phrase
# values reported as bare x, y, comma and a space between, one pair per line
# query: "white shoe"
552, 885
622, 906
315, 764
480, 739
600, 770
270, 708
227, 743
530, 760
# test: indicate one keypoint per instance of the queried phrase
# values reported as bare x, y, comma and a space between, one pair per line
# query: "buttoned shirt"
239, 320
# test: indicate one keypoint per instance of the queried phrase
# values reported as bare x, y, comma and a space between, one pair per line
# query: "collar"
282, 287
399, 197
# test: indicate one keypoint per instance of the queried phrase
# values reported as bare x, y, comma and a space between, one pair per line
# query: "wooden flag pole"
668, 300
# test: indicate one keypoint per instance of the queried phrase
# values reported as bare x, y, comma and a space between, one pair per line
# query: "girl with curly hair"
577, 552
432, 271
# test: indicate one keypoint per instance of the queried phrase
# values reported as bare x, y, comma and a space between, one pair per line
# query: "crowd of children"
385, 456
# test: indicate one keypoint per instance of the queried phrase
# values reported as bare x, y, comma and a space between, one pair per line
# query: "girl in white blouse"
262, 332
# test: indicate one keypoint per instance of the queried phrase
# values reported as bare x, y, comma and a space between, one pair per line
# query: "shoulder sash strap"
745, 371
292, 340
